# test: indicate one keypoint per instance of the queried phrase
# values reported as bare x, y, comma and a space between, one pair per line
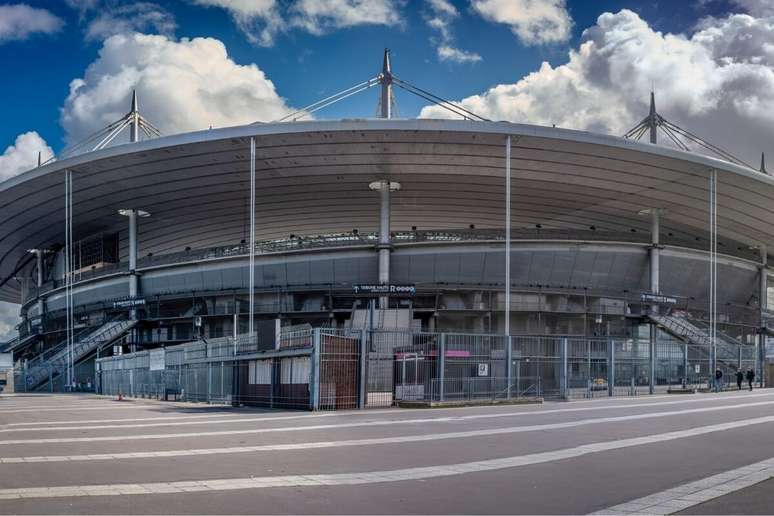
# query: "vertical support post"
384, 240
509, 366
209, 382
508, 235
652, 358
713, 269
441, 367
386, 82
314, 386
685, 365
563, 391
610, 367
251, 251
763, 295
134, 122
362, 390
132, 214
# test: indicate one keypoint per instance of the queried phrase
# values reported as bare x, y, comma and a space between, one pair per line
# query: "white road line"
373, 477
234, 419
693, 493
525, 428
121, 406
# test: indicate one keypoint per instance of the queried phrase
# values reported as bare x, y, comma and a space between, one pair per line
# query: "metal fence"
333, 369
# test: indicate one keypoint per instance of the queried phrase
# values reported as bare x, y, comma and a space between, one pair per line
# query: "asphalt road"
81, 454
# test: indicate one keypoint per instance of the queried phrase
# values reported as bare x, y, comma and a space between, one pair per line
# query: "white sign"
157, 362
483, 369
696, 368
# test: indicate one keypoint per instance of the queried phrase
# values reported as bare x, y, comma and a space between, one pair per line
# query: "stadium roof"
312, 178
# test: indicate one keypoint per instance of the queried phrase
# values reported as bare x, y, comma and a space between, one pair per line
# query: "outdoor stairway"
727, 348
53, 362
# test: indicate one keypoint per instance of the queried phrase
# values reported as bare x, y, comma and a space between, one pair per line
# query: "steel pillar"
610, 366
441, 367
652, 358
509, 366
563, 388
314, 390
363, 376
763, 296
508, 235
386, 81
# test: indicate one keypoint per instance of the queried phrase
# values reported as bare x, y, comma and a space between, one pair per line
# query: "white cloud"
135, 17
757, 7
259, 20
439, 16
447, 53
9, 318
717, 82
23, 155
20, 21
182, 86
320, 16
262, 20
534, 22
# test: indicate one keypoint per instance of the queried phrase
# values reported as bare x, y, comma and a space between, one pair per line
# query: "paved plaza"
660, 454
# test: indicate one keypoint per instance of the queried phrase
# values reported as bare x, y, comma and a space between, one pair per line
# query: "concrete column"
685, 364
655, 288
384, 247
134, 290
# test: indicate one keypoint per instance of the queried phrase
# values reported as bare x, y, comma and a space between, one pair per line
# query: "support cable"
315, 106
436, 99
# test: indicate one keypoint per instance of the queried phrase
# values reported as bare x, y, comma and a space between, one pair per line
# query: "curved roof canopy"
313, 177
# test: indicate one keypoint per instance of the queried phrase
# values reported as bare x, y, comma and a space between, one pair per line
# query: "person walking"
718, 380
739, 379
750, 377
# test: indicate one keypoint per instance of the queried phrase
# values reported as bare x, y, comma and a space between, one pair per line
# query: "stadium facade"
608, 238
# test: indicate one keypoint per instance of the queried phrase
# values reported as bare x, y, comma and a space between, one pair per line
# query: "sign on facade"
483, 369
658, 299
129, 303
157, 359
384, 290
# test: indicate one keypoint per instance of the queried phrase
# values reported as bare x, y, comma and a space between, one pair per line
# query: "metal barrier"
332, 369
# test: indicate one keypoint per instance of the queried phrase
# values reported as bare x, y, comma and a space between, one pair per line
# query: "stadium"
632, 266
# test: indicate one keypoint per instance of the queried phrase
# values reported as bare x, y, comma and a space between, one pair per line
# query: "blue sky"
304, 66
69, 66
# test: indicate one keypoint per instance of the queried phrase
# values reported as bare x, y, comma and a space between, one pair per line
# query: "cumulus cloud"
534, 22
9, 318
439, 16
262, 20
757, 7
135, 17
717, 82
20, 21
320, 16
23, 155
259, 20
182, 86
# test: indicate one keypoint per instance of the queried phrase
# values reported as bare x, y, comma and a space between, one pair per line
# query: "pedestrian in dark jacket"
739, 379
750, 377
718, 380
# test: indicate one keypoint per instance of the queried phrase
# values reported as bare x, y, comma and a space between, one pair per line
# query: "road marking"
122, 406
233, 419
524, 428
693, 493
373, 477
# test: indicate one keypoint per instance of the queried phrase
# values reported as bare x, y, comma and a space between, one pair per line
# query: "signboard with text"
658, 299
129, 303
384, 290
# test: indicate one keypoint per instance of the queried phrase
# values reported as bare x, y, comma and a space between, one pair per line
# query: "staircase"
698, 333
53, 362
